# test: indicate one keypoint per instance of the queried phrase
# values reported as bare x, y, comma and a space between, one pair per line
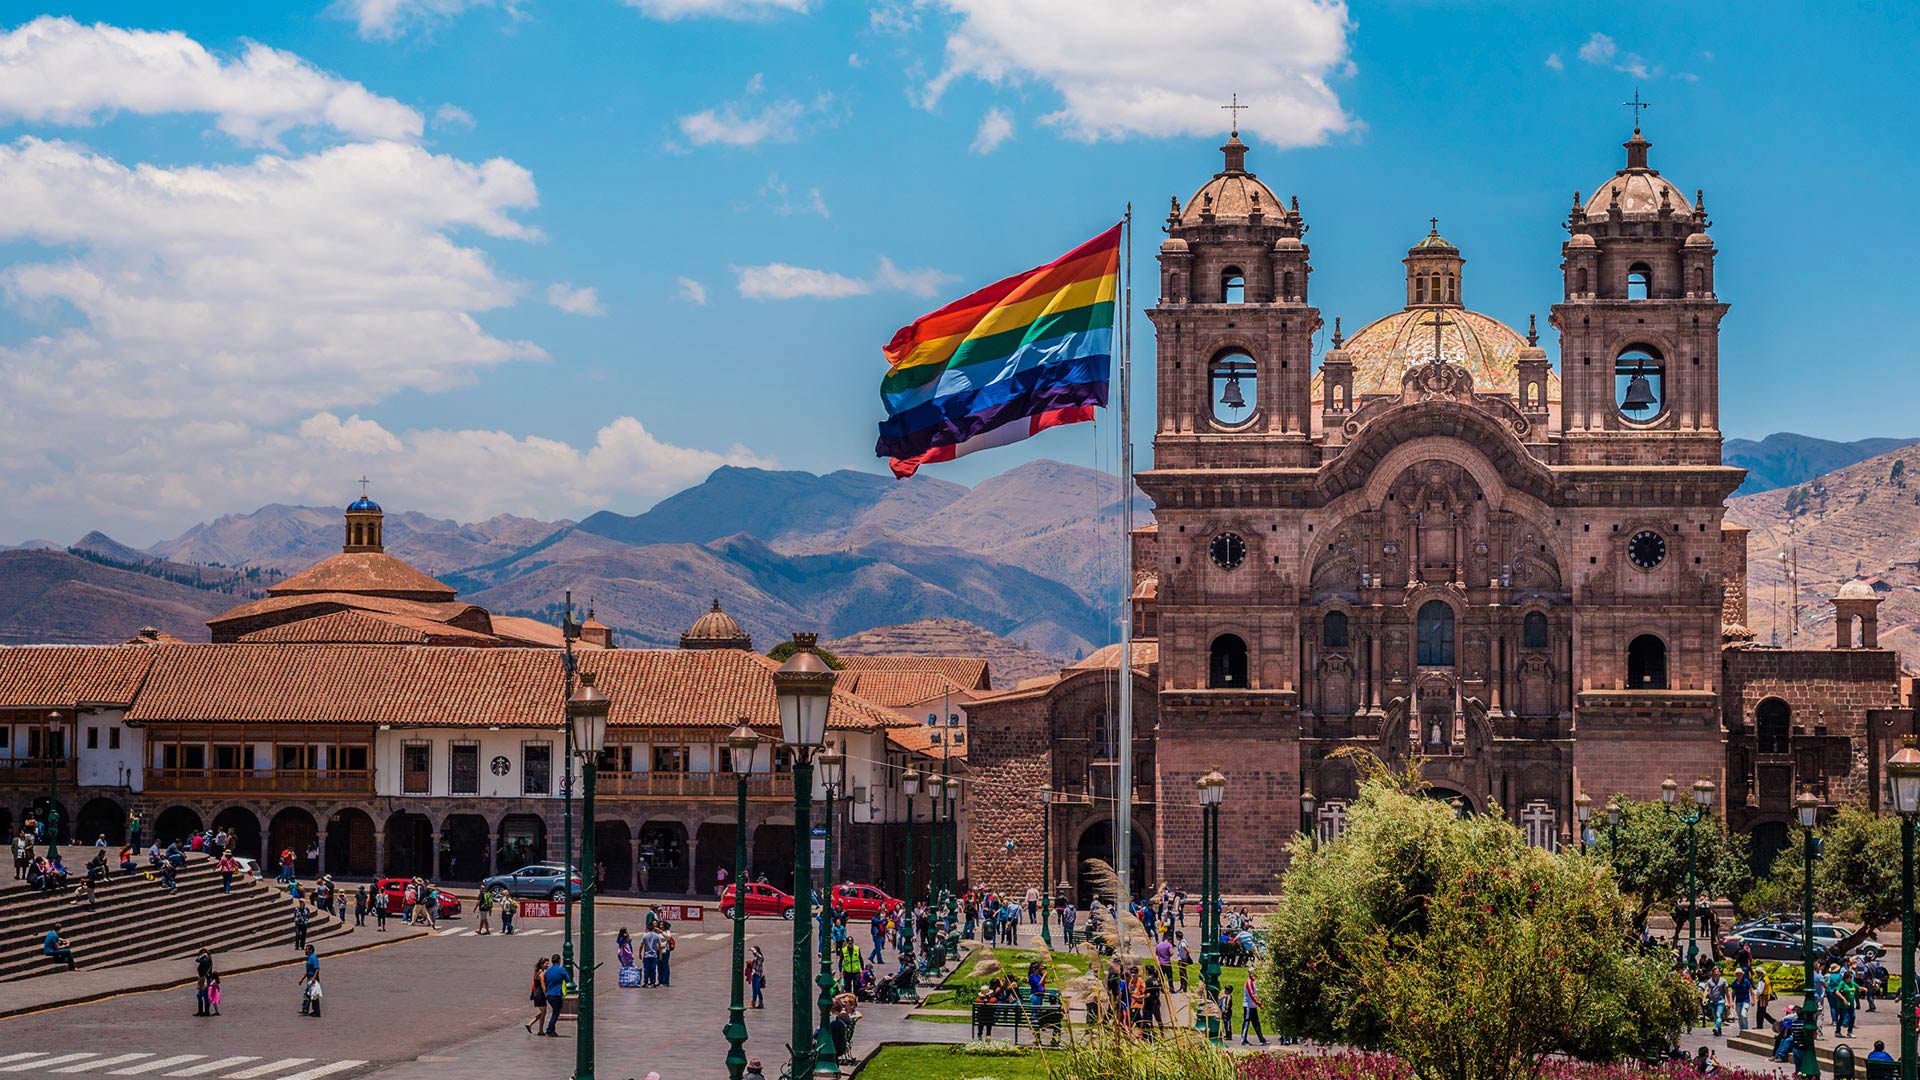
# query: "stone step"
152, 907
133, 895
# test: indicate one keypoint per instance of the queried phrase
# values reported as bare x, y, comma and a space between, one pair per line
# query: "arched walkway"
715, 842
464, 854
613, 855
349, 844
663, 850
293, 829
6, 822
1096, 842
772, 856
175, 823
38, 809
409, 846
523, 840
101, 817
243, 836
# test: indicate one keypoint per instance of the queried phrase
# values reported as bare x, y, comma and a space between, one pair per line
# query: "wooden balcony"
36, 772
691, 785
259, 781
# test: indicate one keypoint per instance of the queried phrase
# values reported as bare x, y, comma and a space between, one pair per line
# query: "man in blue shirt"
310, 985
1880, 1052
56, 946
555, 983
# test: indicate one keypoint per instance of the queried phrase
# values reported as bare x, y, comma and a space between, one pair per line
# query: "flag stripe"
1028, 400
965, 391
989, 350
936, 339
1071, 414
962, 312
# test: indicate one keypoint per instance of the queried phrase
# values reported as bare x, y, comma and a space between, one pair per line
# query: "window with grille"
416, 768
463, 769
536, 768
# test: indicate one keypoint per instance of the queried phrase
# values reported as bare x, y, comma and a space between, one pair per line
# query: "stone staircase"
135, 920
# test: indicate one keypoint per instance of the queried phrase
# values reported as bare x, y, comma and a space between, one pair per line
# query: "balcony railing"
303, 781
32, 770
693, 785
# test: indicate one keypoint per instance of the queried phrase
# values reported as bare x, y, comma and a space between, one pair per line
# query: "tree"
1857, 872
1452, 943
1650, 862
780, 653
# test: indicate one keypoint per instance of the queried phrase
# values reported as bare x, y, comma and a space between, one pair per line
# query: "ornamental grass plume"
1113, 1052
1361, 1065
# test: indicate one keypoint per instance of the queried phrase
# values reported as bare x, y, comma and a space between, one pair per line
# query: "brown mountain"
1008, 661
292, 538
1862, 520
61, 598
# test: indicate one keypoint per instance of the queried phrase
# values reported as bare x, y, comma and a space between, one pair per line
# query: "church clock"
1228, 551
1647, 549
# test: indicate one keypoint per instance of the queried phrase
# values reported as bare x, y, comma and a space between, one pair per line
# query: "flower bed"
1352, 1065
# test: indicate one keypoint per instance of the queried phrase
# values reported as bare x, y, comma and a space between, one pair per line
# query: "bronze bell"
1231, 397
1639, 396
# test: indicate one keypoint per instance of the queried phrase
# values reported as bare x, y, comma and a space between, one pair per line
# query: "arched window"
1772, 726
1646, 663
1234, 382
1449, 288
1227, 663
1580, 280
1533, 631
1233, 286
1639, 282
1435, 634
1420, 289
1333, 630
1286, 285
1699, 279
1640, 384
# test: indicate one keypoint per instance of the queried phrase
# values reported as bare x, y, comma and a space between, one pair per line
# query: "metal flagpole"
1123, 795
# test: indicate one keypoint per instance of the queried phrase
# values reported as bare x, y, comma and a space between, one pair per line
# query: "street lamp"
1613, 829
1582, 812
1308, 803
1904, 768
54, 755
1807, 1062
910, 787
1213, 791
587, 710
951, 915
1703, 789
833, 765
1046, 863
804, 688
744, 747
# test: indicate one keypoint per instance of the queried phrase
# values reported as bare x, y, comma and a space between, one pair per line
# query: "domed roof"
1434, 243
370, 573
1638, 188
1384, 350
1856, 590
715, 630
1233, 193
363, 503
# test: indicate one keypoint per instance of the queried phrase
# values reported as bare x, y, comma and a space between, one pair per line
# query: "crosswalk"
152, 1064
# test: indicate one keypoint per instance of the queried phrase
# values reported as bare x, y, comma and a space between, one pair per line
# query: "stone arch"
1406, 435
410, 845
522, 839
1095, 841
613, 854
349, 846
466, 850
176, 823
101, 816
244, 836
1233, 388
1772, 726
1647, 660
1233, 285
294, 828
664, 852
771, 855
1229, 662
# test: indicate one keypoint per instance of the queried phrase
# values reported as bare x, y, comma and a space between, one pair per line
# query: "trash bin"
1843, 1062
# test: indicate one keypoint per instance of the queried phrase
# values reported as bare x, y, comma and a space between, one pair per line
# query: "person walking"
228, 866
650, 945
133, 828
213, 992
1715, 990
757, 977
1069, 914
301, 916
202, 971
665, 964
509, 907
539, 997
1250, 1011
360, 905
310, 985
1762, 994
554, 982
1033, 904
878, 928
380, 903
484, 904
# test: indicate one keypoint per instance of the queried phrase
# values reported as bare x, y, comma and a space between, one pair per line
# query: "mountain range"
1784, 459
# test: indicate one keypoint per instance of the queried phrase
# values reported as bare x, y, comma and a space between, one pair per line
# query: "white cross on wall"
1333, 821
1538, 818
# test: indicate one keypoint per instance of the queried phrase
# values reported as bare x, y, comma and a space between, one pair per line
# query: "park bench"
1048, 1016
1882, 1070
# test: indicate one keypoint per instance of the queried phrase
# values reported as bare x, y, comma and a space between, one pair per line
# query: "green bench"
1049, 1016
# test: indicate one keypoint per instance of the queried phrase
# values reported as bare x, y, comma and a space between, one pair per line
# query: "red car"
761, 900
396, 890
862, 901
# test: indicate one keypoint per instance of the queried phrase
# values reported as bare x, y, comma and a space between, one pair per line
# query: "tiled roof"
919, 739
64, 676
437, 610
518, 629
894, 689
367, 628
373, 572
968, 672
1146, 653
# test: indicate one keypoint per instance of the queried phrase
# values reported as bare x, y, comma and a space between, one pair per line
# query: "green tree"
1650, 862
781, 652
1453, 944
1857, 872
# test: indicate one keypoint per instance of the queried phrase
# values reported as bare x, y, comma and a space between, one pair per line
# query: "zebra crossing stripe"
20, 1056
61, 1060
455, 932
267, 1069
201, 1070
156, 1066
118, 1059
324, 1070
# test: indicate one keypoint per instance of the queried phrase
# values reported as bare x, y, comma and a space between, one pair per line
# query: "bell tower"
1639, 323
364, 523
1233, 327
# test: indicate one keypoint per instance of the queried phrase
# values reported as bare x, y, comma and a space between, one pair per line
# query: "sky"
546, 258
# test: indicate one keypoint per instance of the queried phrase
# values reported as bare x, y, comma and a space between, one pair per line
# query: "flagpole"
1123, 795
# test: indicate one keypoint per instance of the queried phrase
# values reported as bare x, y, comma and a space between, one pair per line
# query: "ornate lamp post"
1582, 813
1807, 1063
937, 795
745, 747
1308, 803
1213, 791
910, 787
1613, 829
1703, 805
1046, 864
1904, 768
587, 710
953, 846
833, 765
569, 632
804, 687
53, 784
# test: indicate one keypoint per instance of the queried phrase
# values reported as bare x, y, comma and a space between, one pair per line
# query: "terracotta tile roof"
520, 630
435, 610
711, 688
919, 739
1146, 653
968, 672
373, 572
65, 676
367, 628
894, 689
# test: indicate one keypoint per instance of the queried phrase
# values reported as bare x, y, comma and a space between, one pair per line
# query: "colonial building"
1436, 545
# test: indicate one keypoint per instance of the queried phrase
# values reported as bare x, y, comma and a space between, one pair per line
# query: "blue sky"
546, 258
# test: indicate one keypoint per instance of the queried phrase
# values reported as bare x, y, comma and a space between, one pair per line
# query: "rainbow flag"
1013, 359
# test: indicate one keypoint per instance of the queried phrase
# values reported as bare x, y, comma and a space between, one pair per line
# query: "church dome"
1385, 349
1234, 194
715, 630
1637, 190
363, 505
1855, 590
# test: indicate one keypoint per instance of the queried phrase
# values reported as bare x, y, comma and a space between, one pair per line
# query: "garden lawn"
960, 988
949, 1062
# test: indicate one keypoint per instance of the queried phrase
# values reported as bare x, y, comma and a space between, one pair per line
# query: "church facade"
1437, 546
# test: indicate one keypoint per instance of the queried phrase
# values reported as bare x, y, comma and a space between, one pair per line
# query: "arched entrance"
243, 835
1096, 842
772, 856
349, 844
101, 817
613, 855
463, 848
1449, 795
293, 829
523, 840
38, 811
175, 823
663, 851
716, 840
1769, 839
409, 845
6, 822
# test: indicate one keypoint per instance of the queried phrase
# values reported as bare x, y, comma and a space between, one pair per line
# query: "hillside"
1007, 661
1784, 459
780, 507
59, 598
292, 538
1863, 519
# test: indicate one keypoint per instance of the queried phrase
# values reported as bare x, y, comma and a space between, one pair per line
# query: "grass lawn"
943, 1063
958, 990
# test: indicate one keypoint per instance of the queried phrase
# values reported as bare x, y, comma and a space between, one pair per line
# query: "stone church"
1435, 544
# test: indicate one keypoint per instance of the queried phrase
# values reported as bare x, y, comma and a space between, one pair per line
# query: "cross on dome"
1638, 107
1235, 109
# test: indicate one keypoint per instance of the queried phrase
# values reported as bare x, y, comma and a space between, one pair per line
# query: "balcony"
35, 772
259, 781
691, 785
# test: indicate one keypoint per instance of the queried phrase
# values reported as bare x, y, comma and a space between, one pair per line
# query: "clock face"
1647, 549
1228, 551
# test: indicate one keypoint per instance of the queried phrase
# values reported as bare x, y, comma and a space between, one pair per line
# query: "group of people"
653, 950
488, 902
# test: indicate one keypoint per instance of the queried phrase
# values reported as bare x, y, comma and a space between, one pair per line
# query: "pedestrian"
1715, 991
22, 855
757, 977
484, 905
380, 911
169, 878
878, 929
301, 916
1033, 904
1742, 989
228, 866
1762, 994
665, 964
509, 907
539, 997
623, 951
554, 981
286, 864
1250, 1012
1182, 957
202, 971
753, 1071
213, 992
133, 829
650, 943
310, 985
1068, 916
360, 905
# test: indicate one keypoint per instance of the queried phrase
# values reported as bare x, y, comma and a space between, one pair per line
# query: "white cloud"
55, 70
854, 61
996, 127
781, 281
778, 197
1602, 51
583, 300
451, 115
718, 9
382, 20
1132, 67
691, 292
1554, 62
736, 124
1598, 49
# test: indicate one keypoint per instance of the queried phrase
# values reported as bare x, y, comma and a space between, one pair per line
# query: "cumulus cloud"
382, 20
995, 128
781, 281
1598, 49
921, 283
718, 9
735, 124
691, 292
775, 193
1554, 62
1129, 67
58, 71
450, 115
583, 300
1601, 50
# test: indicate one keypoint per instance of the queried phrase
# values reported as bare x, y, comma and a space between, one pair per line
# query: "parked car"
538, 880
862, 901
1825, 935
1767, 943
1772, 919
761, 900
396, 890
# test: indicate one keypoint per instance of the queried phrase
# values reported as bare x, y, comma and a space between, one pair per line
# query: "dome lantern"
716, 630
1433, 270
364, 523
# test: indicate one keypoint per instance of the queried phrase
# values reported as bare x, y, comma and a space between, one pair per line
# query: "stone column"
320, 864
380, 850
693, 862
